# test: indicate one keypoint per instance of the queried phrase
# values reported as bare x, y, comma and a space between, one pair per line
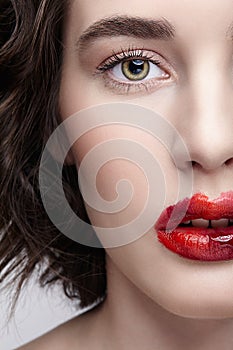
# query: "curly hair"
31, 53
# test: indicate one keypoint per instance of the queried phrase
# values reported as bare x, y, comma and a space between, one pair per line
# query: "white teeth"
200, 223
219, 223
209, 223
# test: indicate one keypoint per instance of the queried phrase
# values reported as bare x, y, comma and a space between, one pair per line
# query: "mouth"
198, 228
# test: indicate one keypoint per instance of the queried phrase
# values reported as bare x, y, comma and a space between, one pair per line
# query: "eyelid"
125, 55
105, 67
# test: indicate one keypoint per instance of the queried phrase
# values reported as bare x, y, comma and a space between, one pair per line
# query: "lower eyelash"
126, 88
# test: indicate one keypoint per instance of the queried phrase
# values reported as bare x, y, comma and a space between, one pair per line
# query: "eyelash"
105, 68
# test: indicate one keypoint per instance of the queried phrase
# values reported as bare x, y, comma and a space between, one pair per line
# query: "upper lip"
197, 207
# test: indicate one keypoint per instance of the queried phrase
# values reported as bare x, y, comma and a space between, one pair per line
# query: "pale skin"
156, 299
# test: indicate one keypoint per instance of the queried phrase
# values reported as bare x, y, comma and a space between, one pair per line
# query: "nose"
206, 120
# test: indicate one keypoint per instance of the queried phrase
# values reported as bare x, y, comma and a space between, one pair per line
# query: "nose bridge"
210, 133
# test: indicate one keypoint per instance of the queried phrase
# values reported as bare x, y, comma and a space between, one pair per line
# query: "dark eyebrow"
126, 26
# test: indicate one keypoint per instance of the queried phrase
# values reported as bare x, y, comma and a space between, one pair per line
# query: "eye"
134, 70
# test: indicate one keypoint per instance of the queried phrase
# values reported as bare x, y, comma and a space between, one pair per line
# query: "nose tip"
204, 153
213, 152
208, 150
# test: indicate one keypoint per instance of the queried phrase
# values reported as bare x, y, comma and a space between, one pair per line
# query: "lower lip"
204, 244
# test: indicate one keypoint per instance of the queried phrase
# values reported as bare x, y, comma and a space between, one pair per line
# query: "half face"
174, 58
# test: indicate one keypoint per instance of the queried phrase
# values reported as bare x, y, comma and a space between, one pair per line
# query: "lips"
198, 243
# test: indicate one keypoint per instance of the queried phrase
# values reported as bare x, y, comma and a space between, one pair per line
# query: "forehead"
194, 17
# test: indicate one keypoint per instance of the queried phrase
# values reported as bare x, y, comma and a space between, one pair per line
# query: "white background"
37, 311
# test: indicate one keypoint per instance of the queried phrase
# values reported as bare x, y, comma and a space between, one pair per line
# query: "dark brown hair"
30, 69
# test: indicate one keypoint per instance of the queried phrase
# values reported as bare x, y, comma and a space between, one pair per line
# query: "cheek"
128, 196
116, 187
110, 176
76, 94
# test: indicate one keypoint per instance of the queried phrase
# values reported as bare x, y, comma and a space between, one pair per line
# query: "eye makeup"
134, 70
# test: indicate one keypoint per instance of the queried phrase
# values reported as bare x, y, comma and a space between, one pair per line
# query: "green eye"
135, 69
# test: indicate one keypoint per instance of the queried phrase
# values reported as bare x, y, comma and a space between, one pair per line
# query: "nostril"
195, 164
229, 162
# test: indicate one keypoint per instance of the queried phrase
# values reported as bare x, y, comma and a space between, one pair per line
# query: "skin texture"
156, 299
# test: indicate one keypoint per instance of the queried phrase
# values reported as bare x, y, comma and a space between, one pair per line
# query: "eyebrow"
126, 26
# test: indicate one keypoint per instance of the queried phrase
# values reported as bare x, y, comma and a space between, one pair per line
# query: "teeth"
200, 223
209, 223
219, 223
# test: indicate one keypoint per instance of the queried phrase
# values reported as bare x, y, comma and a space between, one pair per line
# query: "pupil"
136, 66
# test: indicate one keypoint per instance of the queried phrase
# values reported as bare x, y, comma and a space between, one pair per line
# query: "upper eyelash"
117, 58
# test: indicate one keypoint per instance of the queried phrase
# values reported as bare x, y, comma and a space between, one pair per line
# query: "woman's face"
176, 59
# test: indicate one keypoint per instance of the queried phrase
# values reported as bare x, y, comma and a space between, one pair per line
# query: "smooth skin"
156, 299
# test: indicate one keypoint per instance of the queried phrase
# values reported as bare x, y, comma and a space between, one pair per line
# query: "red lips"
205, 244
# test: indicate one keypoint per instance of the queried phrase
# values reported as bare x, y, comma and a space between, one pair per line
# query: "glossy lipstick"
197, 243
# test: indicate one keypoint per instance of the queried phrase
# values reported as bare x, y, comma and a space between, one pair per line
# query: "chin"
194, 302
199, 309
